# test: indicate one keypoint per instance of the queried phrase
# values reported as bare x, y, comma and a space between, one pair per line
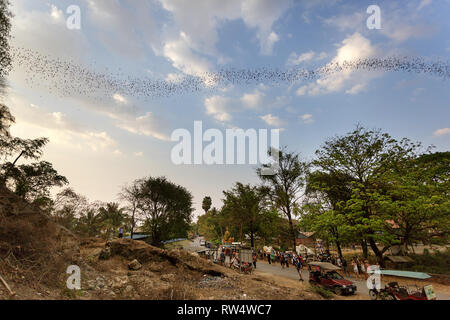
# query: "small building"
306, 238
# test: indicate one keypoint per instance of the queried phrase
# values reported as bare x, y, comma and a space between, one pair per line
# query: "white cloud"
253, 100
350, 22
307, 118
31, 120
56, 13
219, 107
138, 154
119, 98
46, 32
295, 59
423, 4
198, 22
182, 58
353, 48
441, 132
356, 88
272, 120
147, 125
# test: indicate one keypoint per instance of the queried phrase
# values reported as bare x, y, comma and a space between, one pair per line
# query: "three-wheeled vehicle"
394, 291
326, 275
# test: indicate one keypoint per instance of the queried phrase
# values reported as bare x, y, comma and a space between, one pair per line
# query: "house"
306, 238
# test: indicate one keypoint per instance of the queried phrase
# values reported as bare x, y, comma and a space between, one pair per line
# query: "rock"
119, 282
169, 277
134, 265
105, 254
128, 291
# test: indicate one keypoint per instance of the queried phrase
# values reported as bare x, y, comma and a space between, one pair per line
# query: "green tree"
245, 204
5, 35
112, 217
163, 204
206, 203
286, 186
326, 196
416, 200
365, 156
31, 181
131, 194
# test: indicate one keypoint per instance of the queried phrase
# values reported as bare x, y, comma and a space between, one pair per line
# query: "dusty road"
442, 292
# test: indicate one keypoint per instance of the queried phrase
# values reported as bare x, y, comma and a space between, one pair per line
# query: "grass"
327, 294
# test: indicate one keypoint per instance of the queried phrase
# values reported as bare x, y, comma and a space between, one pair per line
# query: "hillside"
35, 253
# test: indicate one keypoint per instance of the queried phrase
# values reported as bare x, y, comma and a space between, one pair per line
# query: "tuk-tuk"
394, 291
326, 275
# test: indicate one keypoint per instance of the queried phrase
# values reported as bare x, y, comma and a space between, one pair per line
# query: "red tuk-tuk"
394, 291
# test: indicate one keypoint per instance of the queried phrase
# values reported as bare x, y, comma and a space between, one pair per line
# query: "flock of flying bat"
67, 78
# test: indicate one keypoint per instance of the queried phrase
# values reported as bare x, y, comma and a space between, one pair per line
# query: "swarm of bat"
68, 78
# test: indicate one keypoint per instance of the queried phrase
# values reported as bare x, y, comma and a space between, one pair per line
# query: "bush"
327, 294
436, 262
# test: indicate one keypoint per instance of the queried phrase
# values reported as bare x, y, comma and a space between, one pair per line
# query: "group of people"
360, 268
285, 259
228, 256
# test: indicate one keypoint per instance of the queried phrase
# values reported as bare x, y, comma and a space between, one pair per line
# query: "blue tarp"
138, 236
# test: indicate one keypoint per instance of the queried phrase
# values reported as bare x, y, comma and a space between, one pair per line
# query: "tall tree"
326, 196
286, 186
5, 35
32, 180
112, 218
245, 203
415, 200
131, 194
206, 203
364, 156
164, 203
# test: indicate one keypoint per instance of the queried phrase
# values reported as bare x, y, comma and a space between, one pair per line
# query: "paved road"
291, 272
195, 245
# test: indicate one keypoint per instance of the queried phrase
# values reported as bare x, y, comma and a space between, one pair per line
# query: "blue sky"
102, 142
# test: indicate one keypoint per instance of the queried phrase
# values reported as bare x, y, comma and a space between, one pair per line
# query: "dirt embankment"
35, 253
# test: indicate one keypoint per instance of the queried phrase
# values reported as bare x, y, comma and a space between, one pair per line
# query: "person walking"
120, 232
345, 267
355, 268
254, 260
299, 266
286, 260
282, 261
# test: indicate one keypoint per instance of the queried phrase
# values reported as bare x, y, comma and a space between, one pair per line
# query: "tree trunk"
291, 229
252, 239
338, 246
377, 252
364, 249
133, 223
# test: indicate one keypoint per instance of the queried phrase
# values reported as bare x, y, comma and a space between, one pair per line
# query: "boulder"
134, 265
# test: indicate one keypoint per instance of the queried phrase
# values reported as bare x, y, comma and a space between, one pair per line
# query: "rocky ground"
127, 269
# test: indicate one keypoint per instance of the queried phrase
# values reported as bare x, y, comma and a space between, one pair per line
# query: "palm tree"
112, 217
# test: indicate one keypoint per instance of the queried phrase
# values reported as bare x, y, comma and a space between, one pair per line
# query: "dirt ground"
162, 274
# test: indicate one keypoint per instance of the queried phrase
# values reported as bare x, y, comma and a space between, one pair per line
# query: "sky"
102, 140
